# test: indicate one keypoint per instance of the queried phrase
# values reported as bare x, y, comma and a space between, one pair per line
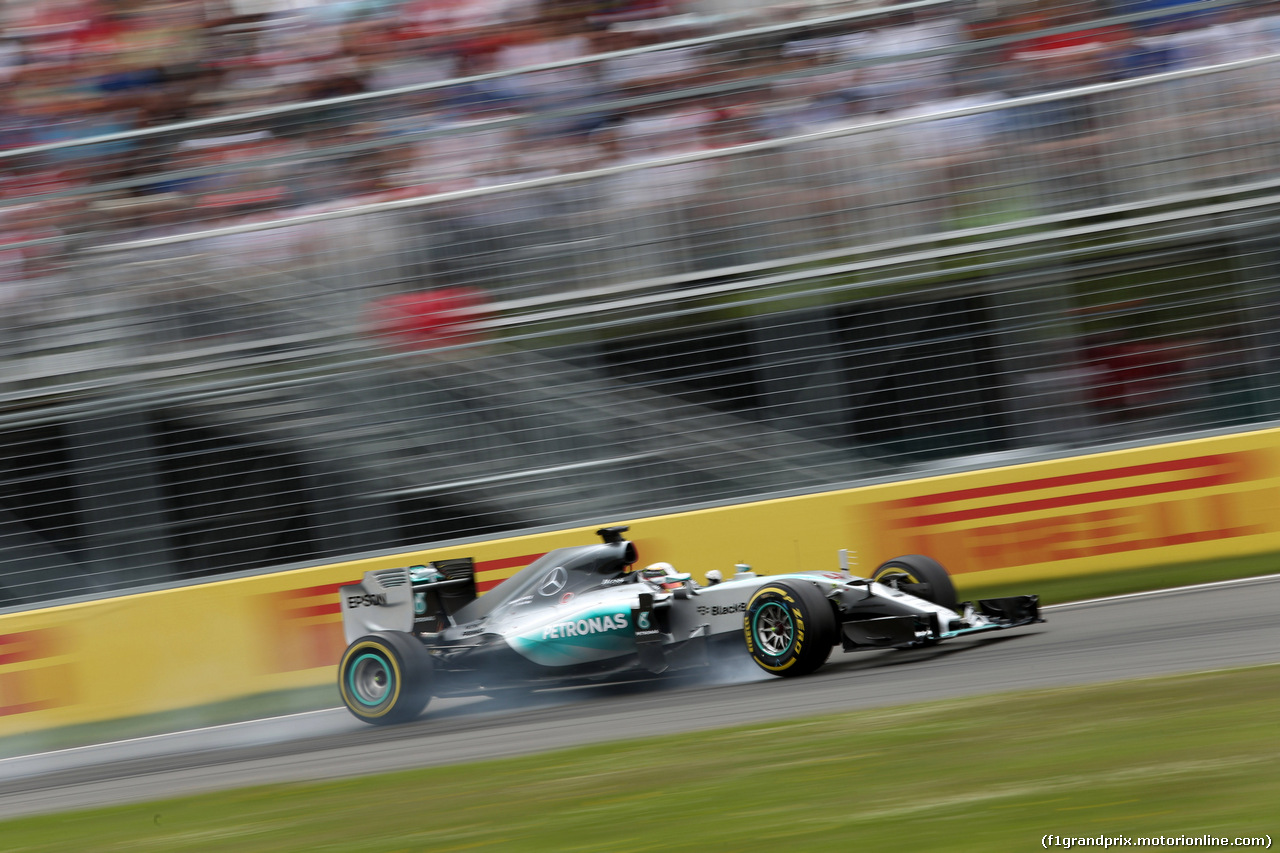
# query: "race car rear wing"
418, 599
381, 601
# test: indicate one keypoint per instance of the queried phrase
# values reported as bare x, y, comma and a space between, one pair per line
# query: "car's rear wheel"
790, 628
385, 678
918, 575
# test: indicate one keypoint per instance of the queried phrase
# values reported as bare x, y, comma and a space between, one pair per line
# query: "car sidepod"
570, 635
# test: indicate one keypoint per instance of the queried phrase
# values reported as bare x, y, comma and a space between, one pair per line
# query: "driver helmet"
664, 575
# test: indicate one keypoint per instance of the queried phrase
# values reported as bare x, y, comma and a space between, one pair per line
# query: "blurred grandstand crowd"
124, 70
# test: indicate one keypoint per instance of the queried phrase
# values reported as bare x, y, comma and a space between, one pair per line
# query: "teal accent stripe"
755, 632
355, 666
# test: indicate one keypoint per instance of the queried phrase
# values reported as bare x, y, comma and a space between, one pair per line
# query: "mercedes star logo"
554, 581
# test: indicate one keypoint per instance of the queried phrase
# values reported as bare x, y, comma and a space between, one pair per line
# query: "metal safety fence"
427, 314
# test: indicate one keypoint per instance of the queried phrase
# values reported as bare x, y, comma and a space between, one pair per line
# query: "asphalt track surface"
1178, 631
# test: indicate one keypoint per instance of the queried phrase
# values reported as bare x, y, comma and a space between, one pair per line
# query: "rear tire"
385, 678
921, 576
789, 628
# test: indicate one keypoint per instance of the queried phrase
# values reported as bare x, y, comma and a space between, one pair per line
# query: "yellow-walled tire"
789, 628
921, 576
385, 678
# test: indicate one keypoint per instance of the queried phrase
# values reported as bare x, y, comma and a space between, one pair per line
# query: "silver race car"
587, 614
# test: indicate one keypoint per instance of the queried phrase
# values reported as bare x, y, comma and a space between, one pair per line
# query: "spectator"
894, 85
78, 68
1088, 54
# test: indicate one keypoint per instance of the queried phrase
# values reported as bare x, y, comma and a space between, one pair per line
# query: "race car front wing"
918, 629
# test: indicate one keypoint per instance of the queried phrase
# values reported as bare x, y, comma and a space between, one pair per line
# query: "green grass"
1188, 755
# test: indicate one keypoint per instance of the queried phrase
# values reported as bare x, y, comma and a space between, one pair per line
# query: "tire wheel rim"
370, 680
774, 629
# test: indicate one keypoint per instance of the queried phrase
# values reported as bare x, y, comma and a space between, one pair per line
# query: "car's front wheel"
921, 576
385, 678
790, 628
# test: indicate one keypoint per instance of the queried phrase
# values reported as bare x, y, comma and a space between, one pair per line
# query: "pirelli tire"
789, 628
385, 678
921, 576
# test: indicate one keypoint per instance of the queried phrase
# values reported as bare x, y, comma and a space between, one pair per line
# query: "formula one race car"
583, 613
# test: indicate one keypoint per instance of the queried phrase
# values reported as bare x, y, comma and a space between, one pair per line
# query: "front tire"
385, 678
921, 576
789, 628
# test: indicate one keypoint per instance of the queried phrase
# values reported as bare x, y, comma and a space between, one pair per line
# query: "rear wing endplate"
381, 601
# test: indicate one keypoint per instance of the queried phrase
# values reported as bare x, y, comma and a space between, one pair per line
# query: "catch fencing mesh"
652, 275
